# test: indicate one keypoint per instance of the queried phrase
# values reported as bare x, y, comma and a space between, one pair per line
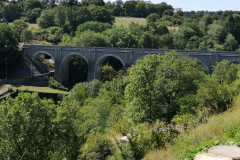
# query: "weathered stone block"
211, 156
229, 151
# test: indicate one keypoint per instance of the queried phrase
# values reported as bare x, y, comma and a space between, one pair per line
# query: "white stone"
211, 156
124, 139
229, 151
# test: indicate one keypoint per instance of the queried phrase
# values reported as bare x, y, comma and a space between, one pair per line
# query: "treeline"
91, 23
31, 9
189, 14
86, 124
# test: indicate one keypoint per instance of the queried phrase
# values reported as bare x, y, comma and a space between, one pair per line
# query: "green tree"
54, 34
214, 97
33, 14
93, 2
76, 16
90, 38
136, 30
108, 73
46, 19
163, 7
129, 8
216, 34
59, 15
95, 26
204, 22
8, 49
178, 11
97, 147
120, 37
153, 17
230, 43
165, 41
157, 83
225, 72
146, 40
233, 26
115, 8
31, 4
113, 91
32, 128
10, 12
27, 36
141, 9
182, 36
157, 28
168, 12
216, 94
193, 43
100, 14
19, 26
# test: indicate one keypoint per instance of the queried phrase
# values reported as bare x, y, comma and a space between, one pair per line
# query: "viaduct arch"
94, 56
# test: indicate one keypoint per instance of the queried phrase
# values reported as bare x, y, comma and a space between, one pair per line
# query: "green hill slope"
220, 129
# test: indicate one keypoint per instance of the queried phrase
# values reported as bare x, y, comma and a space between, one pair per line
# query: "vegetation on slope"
156, 91
222, 129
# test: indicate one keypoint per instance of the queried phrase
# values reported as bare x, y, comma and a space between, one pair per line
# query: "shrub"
96, 148
55, 84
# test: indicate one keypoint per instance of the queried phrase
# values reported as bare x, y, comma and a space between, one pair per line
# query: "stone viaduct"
95, 56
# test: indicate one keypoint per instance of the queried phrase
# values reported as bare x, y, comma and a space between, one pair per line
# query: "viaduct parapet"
95, 56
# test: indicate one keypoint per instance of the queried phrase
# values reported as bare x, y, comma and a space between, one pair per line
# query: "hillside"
219, 129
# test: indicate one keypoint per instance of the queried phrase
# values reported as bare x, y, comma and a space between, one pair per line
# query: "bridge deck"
129, 50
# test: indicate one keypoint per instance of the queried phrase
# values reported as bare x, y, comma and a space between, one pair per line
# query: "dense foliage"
9, 54
165, 27
159, 89
32, 128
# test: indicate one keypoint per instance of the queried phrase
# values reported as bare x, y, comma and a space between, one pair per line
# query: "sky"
199, 5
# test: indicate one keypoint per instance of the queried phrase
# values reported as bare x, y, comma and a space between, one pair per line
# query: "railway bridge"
95, 56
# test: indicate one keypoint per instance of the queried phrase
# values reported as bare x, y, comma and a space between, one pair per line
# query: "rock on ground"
211, 156
228, 151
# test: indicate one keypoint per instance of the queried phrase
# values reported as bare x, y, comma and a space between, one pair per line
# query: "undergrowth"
222, 129
55, 84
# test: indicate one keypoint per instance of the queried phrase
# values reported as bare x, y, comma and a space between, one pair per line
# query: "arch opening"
204, 67
109, 67
44, 62
77, 70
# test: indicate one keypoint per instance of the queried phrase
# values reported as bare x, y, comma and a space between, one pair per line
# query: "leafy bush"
96, 148
191, 152
55, 84
141, 141
233, 132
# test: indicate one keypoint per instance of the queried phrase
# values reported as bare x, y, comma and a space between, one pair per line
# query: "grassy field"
30, 25
125, 21
33, 26
34, 89
119, 22
40, 89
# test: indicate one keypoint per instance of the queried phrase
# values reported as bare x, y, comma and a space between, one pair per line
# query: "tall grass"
200, 138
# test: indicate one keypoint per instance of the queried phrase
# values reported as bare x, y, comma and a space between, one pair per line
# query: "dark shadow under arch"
77, 68
113, 61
